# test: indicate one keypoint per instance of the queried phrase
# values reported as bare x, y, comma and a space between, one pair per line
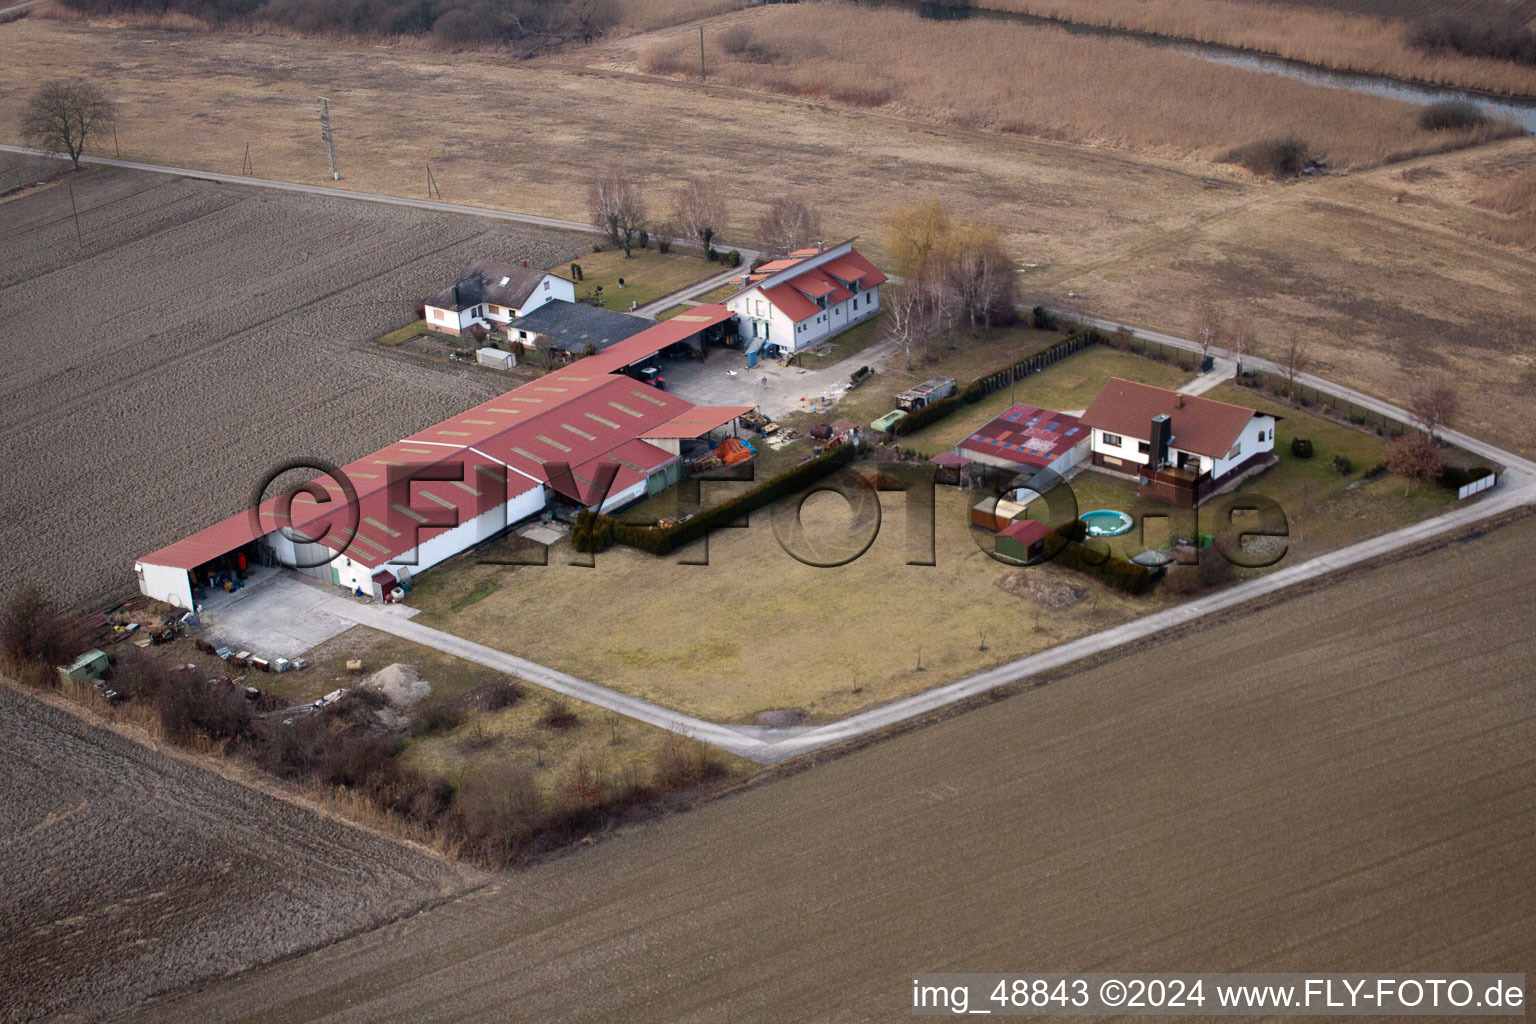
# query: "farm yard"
203, 336
175, 875
1346, 769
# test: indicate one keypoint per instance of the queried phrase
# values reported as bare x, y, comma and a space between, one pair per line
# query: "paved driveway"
776, 390
281, 614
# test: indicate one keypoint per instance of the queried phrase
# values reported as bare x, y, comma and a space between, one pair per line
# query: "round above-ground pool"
1107, 522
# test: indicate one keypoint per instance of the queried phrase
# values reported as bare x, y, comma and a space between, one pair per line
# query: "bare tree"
700, 211
1414, 456
618, 207
1294, 360
62, 115
1244, 342
788, 225
982, 274
1210, 329
1434, 406
923, 306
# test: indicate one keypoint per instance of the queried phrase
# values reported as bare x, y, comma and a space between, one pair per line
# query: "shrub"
33, 634
1277, 158
1499, 38
496, 695
1112, 571
1455, 478
1042, 319
1448, 114
189, 704
682, 763
736, 39
643, 239
1342, 465
437, 715
733, 258
711, 254
558, 715
1301, 447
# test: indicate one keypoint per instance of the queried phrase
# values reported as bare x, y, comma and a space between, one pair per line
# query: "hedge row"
595, 532
1455, 478
1118, 573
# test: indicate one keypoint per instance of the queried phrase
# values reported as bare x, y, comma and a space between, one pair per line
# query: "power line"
325, 135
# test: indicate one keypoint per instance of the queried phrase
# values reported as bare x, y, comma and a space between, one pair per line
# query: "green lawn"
677, 310
720, 294
852, 341
404, 334
1070, 385
647, 274
1325, 509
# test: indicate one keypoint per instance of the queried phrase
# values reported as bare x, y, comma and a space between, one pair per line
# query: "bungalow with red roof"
793, 303
1181, 448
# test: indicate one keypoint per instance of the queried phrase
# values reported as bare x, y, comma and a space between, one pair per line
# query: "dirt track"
124, 872
1343, 782
205, 334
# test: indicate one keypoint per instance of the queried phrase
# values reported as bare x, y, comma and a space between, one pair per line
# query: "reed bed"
1044, 82
1515, 198
650, 15
1354, 42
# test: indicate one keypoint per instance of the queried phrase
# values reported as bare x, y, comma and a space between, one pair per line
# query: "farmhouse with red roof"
1181, 448
795, 302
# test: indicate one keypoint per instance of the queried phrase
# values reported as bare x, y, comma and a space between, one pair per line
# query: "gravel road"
124, 872
203, 334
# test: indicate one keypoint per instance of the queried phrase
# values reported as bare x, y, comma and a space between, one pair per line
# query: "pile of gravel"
401, 684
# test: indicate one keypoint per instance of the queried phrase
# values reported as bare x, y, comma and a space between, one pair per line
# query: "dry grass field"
1344, 781
203, 336
126, 872
1388, 279
1014, 78
757, 630
1366, 36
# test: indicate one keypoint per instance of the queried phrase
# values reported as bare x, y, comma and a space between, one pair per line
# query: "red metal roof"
1200, 425
796, 296
1028, 436
1025, 531
578, 415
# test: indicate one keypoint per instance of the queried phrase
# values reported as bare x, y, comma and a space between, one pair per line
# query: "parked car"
652, 376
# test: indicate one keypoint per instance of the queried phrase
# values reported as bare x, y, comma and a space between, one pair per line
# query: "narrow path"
696, 289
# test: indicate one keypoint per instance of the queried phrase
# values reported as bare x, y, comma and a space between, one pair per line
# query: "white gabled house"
789, 304
1181, 448
492, 295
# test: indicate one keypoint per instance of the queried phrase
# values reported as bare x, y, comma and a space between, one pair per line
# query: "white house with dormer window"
493, 295
793, 303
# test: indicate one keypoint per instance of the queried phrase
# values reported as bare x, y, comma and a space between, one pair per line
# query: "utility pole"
115, 150
246, 167
701, 53
79, 238
432, 184
325, 135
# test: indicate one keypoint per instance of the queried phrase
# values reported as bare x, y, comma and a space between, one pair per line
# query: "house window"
1113, 440
546, 284
437, 314
1144, 447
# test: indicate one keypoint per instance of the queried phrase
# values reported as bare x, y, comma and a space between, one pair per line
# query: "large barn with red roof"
793, 303
587, 434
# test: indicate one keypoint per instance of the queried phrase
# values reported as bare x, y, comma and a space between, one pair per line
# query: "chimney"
1178, 400
820, 247
525, 263
1162, 433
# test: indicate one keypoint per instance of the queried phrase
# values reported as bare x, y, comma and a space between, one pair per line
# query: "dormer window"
504, 281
